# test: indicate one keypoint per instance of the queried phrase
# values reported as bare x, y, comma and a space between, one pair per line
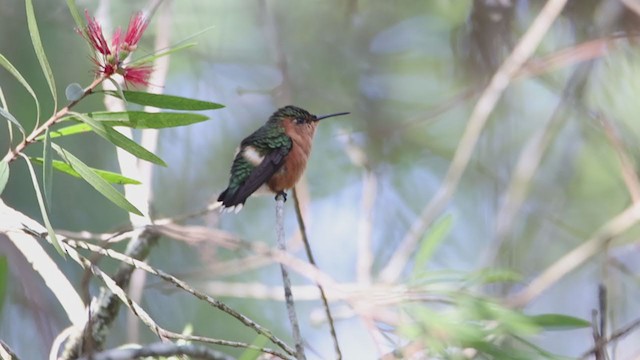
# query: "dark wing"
272, 162
247, 178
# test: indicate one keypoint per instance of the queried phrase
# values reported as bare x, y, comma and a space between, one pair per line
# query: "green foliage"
68, 130
96, 181
431, 241
7, 115
43, 209
120, 140
144, 120
483, 324
250, 354
4, 276
40, 54
109, 176
559, 322
163, 101
4, 175
13, 71
152, 57
73, 9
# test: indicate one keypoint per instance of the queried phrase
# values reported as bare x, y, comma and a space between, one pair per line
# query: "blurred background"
410, 73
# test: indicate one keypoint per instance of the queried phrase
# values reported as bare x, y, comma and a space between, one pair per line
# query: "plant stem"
323, 296
13, 153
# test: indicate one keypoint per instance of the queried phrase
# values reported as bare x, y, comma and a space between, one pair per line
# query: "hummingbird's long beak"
318, 118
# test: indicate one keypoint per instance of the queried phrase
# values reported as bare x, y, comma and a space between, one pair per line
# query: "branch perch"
291, 309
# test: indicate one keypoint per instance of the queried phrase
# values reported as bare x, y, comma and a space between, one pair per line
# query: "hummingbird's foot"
283, 194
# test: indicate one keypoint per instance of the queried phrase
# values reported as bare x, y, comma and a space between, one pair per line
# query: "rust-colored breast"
296, 161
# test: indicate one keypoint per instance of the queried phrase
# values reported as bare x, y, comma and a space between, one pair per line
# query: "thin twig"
13, 153
105, 307
485, 105
307, 247
613, 228
146, 318
160, 350
531, 157
6, 353
184, 286
615, 336
291, 310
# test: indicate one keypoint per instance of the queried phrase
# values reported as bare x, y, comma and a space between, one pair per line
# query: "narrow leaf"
109, 176
559, 322
145, 120
152, 57
96, 181
434, 237
120, 140
4, 174
43, 210
65, 131
7, 115
11, 69
4, 277
118, 89
166, 101
37, 46
75, 13
47, 170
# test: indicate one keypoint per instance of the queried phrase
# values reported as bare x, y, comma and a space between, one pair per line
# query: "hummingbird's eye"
299, 121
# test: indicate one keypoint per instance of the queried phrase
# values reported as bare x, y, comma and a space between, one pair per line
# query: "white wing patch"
252, 155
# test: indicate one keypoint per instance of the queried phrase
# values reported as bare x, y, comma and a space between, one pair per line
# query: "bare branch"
577, 256
158, 350
129, 261
291, 309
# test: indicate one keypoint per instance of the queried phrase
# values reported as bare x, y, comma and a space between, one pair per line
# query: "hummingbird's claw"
283, 194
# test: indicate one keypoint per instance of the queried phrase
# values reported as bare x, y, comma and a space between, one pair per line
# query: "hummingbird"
273, 158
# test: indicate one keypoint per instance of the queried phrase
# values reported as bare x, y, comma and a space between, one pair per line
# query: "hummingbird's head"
293, 115
298, 123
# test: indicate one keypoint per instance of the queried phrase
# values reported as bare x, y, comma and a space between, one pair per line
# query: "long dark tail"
229, 198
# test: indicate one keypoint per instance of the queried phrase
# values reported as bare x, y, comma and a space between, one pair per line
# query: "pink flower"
93, 34
137, 75
110, 59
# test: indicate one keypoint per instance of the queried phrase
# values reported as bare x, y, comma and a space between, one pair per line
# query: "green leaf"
120, 140
4, 174
559, 322
145, 120
11, 69
43, 210
434, 237
152, 57
65, 131
47, 169
75, 13
166, 101
252, 354
118, 88
96, 181
37, 46
109, 176
4, 276
7, 115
